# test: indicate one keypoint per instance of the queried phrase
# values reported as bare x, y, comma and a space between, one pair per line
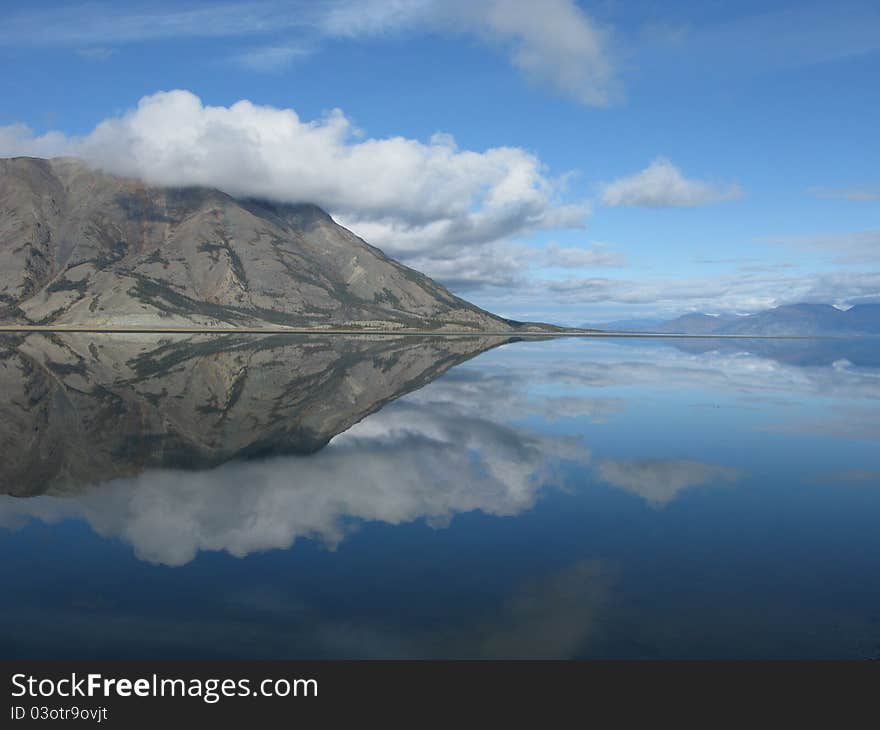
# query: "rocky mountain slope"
78, 246
79, 409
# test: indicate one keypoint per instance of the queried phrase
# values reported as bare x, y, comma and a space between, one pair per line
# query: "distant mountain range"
792, 319
80, 247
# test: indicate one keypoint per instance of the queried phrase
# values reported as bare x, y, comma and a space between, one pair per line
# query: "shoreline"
85, 329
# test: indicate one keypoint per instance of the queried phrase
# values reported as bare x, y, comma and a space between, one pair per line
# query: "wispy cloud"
568, 257
272, 58
96, 53
101, 23
854, 195
866, 477
554, 44
662, 185
738, 293
851, 422
853, 248
764, 39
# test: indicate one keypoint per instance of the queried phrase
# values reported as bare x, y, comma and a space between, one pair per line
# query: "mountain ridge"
804, 319
79, 246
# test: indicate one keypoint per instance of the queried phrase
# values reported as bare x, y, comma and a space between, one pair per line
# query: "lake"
385, 497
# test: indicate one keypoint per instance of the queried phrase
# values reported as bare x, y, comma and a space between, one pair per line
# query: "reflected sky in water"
392, 498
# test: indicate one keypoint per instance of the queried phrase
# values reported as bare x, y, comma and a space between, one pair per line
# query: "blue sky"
576, 162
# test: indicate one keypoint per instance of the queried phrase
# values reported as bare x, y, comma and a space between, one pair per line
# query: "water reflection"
659, 481
78, 410
544, 617
545, 499
408, 464
105, 408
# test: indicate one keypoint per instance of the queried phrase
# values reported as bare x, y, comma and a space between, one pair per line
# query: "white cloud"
575, 299
406, 196
19, 139
506, 264
662, 185
354, 18
500, 265
554, 43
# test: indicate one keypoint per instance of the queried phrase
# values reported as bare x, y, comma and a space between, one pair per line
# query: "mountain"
79, 409
78, 246
792, 320
626, 325
694, 323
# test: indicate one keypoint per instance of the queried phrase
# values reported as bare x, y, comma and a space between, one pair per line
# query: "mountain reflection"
78, 410
97, 428
652, 495
247, 444
411, 464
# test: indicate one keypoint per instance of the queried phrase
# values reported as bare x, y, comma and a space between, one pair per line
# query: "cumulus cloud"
406, 196
662, 185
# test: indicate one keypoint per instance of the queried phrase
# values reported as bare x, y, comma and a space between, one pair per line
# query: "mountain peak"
78, 246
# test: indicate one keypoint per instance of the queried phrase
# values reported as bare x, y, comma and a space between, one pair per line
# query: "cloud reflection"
488, 437
660, 481
404, 464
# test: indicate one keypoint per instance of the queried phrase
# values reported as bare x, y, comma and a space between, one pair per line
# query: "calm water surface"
370, 497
